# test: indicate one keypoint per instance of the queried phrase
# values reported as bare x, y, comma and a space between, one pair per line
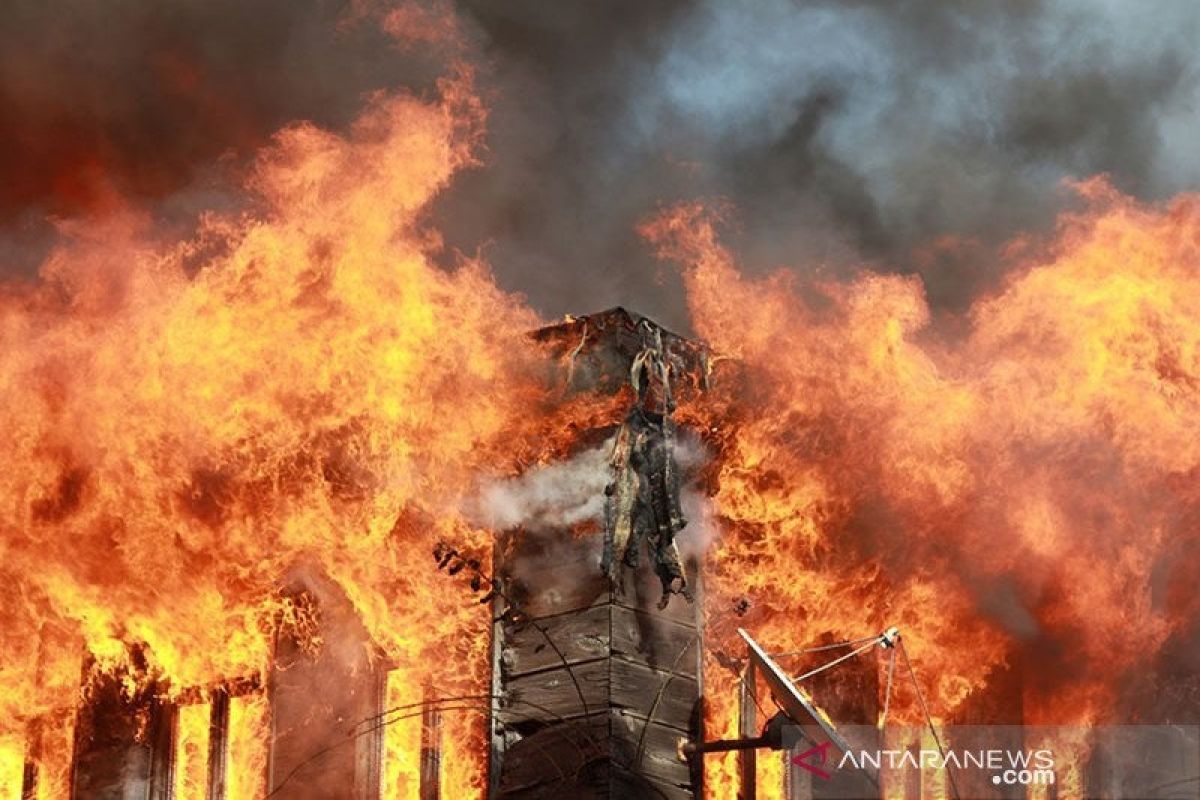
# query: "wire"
887, 695
874, 641
834, 646
354, 737
355, 733
928, 717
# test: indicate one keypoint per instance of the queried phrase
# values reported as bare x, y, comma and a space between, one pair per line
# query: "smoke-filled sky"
901, 136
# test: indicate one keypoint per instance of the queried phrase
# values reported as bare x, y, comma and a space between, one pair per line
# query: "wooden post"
29, 777
595, 684
218, 743
748, 728
431, 753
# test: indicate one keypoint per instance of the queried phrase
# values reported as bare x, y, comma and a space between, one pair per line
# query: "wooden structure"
595, 684
595, 688
325, 701
122, 743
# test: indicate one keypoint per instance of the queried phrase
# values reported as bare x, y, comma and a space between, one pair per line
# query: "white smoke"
565, 494
554, 496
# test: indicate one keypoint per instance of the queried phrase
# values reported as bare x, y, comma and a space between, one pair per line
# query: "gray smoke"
550, 497
843, 134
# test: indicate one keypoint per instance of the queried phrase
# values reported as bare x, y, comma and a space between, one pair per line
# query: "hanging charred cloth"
642, 510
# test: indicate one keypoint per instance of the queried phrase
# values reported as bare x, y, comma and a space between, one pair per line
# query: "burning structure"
596, 674
231, 457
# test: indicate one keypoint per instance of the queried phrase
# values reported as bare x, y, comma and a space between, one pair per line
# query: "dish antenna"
796, 707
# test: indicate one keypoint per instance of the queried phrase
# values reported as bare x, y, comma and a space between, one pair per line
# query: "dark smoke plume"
911, 136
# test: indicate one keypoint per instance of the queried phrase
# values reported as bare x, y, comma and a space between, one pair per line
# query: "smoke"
159, 105
910, 136
555, 496
566, 494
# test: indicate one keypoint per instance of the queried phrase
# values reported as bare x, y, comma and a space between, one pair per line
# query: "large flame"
298, 384
1018, 493
314, 390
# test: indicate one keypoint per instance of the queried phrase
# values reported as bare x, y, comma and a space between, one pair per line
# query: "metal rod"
726, 745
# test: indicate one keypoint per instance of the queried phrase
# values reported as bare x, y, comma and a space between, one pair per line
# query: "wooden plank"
557, 761
626, 785
655, 641
218, 744
662, 696
649, 749
545, 643
641, 590
562, 587
553, 695
431, 754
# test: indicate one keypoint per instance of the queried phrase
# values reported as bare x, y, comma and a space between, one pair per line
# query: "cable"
874, 641
887, 695
834, 646
928, 717
354, 733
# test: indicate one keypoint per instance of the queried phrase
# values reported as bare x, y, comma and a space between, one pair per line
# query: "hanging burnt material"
643, 511
616, 352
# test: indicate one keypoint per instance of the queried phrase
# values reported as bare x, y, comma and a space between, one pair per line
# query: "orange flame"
299, 382
1020, 492
186, 435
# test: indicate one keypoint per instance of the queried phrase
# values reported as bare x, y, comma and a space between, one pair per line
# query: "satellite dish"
799, 708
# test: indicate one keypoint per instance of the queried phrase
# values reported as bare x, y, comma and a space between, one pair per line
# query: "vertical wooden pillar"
218, 743
431, 753
748, 728
29, 776
596, 683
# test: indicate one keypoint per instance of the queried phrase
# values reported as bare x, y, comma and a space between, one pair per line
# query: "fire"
299, 384
1019, 492
187, 433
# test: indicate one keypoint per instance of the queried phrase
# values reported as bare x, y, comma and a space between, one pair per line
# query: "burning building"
295, 506
596, 666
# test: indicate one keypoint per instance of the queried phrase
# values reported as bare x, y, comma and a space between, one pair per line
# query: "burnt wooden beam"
218, 743
748, 729
596, 696
431, 753
594, 686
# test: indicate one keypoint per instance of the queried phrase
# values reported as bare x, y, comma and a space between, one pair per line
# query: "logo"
818, 754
